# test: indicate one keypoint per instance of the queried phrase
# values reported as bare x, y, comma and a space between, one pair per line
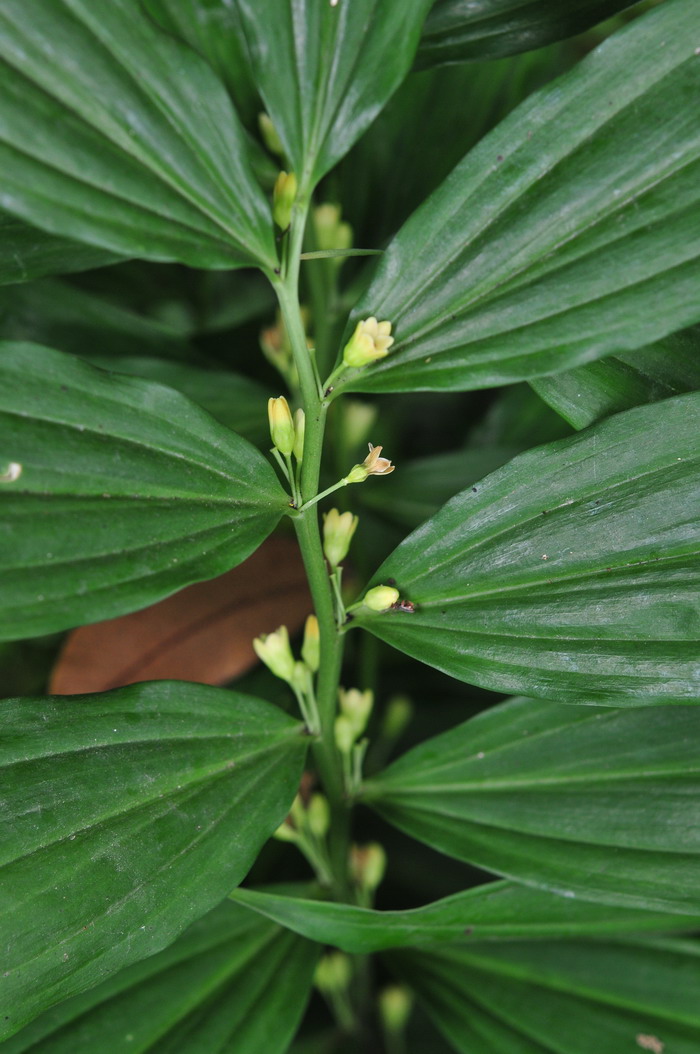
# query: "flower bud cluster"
275, 651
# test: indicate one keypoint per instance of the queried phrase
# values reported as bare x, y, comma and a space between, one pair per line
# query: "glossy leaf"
456, 30
126, 492
588, 802
128, 815
213, 28
589, 393
27, 253
114, 133
570, 232
233, 399
204, 992
204, 633
498, 910
62, 316
560, 997
324, 70
572, 572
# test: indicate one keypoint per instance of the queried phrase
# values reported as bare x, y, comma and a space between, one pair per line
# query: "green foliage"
518, 219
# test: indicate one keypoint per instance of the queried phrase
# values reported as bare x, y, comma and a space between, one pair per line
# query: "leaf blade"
547, 577
133, 813
560, 996
569, 233
453, 32
162, 494
499, 910
335, 67
150, 146
210, 980
586, 802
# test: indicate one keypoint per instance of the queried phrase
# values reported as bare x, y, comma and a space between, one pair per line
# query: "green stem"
306, 524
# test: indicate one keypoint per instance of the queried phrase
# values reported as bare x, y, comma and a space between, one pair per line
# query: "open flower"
370, 341
373, 465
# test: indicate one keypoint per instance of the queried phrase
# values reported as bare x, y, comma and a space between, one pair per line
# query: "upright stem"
306, 524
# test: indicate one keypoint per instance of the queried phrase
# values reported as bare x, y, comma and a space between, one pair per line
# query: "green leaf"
591, 392
60, 315
27, 253
497, 910
588, 802
128, 815
114, 133
125, 492
568, 997
213, 28
455, 30
231, 983
572, 572
325, 70
571, 231
234, 400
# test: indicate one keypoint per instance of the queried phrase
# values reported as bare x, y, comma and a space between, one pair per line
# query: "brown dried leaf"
203, 633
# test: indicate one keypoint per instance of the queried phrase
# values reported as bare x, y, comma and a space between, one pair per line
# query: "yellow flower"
370, 341
373, 465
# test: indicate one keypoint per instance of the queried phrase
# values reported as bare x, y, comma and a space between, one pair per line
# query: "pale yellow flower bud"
311, 648
274, 650
318, 815
395, 1005
269, 135
330, 232
281, 425
367, 865
370, 341
358, 419
344, 733
299, 431
338, 529
398, 714
381, 598
356, 706
333, 972
283, 197
285, 833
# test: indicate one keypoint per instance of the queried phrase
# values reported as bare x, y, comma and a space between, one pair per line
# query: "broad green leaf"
118, 492
61, 316
27, 253
588, 802
325, 70
560, 997
572, 572
236, 401
570, 232
418, 133
456, 30
127, 816
231, 983
213, 28
588, 393
116, 134
498, 910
